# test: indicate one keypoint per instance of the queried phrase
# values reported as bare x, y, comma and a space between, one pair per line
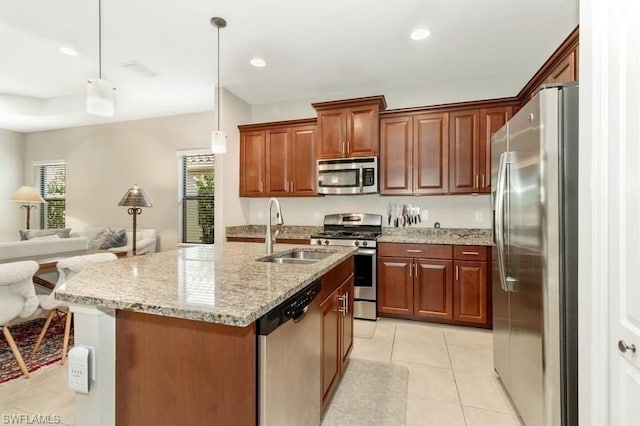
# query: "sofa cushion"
29, 234
110, 238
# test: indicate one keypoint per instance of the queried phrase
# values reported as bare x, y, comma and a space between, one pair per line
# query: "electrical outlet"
316, 215
78, 369
424, 215
479, 216
260, 214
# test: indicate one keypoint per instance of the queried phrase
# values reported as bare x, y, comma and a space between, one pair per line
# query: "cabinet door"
464, 152
362, 131
470, 292
565, 70
332, 128
347, 320
395, 285
252, 163
433, 289
396, 156
491, 120
331, 357
303, 161
431, 154
277, 164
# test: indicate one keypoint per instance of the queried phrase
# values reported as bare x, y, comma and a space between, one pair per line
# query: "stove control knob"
364, 243
326, 242
357, 243
319, 242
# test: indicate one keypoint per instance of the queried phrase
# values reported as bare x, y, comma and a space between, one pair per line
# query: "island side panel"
175, 371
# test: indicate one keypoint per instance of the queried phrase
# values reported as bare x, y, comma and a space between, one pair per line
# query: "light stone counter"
458, 236
287, 232
220, 284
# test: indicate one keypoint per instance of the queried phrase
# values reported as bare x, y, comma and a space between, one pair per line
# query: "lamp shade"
218, 142
135, 197
27, 194
100, 97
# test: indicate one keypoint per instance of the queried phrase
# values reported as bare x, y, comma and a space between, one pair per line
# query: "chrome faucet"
268, 239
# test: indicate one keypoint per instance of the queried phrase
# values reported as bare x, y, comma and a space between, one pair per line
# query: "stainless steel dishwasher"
289, 361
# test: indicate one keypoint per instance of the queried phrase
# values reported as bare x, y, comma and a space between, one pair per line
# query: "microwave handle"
361, 179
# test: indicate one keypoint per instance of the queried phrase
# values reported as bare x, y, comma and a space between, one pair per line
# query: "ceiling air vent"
137, 67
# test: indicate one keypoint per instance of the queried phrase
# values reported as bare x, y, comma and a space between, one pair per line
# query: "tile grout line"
393, 343
453, 373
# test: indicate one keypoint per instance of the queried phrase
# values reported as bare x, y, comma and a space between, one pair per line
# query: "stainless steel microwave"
348, 176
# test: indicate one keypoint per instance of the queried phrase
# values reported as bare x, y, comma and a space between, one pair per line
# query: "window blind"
53, 188
198, 198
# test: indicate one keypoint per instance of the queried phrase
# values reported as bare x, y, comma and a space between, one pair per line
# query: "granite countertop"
222, 284
286, 232
458, 236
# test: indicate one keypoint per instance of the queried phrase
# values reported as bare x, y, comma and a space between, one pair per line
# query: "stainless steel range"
360, 230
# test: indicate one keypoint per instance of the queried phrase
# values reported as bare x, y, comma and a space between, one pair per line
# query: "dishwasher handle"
299, 316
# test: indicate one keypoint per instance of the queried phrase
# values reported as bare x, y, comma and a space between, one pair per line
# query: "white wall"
452, 211
396, 97
103, 161
12, 217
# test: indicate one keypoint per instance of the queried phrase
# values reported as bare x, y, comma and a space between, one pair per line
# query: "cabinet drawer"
470, 253
430, 251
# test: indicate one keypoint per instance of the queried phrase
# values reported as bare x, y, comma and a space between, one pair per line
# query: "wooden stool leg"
16, 352
65, 344
43, 332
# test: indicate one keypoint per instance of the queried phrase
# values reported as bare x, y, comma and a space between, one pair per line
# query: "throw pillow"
114, 238
28, 234
98, 239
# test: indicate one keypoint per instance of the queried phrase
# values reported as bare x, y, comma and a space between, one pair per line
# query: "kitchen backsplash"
453, 211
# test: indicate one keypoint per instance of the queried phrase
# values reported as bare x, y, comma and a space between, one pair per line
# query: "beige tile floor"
451, 379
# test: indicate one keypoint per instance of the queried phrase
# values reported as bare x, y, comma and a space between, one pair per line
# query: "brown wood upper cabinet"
278, 161
470, 147
414, 154
252, 163
349, 128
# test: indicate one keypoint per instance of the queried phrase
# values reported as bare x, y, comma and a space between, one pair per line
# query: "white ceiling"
312, 48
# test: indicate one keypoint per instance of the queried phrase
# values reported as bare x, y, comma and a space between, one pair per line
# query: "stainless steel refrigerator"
534, 163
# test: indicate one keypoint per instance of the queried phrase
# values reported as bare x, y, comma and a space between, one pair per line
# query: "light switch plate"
78, 367
479, 216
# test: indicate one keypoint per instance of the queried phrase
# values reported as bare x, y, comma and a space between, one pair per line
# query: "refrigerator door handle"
500, 195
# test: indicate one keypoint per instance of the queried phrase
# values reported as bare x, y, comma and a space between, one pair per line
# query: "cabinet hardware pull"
476, 181
259, 186
341, 307
343, 150
474, 253
292, 187
623, 347
411, 271
413, 251
347, 145
457, 273
482, 180
345, 301
415, 270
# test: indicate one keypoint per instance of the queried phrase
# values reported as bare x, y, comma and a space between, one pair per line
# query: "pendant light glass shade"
218, 142
100, 97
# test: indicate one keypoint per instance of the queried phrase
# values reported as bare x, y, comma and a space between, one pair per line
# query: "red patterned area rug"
25, 336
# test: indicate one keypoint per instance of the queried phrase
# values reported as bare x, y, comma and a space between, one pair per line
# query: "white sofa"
145, 243
41, 246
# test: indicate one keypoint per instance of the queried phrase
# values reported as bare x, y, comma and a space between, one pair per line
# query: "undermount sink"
297, 256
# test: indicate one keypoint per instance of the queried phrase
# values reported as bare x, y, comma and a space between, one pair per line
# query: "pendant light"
99, 90
218, 138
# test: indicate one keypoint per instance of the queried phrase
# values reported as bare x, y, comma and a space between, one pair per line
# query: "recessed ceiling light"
68, 51
258, 62
420, 34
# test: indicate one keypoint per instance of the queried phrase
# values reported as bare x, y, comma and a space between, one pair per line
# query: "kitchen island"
174, 333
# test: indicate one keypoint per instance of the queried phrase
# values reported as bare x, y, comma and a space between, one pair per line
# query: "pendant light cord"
218, 88
100, 39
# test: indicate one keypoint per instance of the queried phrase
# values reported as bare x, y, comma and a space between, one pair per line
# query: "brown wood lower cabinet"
337, 332
441, 289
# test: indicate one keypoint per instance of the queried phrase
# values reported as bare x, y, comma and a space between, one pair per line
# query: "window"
197, 197
52, 181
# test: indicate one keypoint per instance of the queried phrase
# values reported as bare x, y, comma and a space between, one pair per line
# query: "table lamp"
30, 196
135, 198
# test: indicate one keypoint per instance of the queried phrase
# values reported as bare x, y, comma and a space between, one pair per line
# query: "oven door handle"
361, 179
366, 252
